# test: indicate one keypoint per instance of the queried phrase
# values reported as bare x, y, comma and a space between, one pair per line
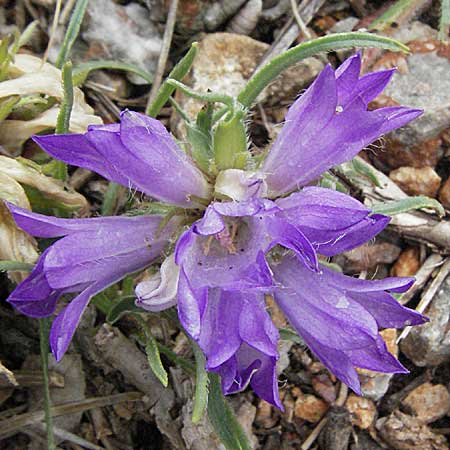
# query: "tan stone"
428, 402
310, 408
417, 181
407, 264
444, 194
362, 410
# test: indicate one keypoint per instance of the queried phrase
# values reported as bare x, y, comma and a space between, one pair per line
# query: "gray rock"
123, 33
429, 344
425, 85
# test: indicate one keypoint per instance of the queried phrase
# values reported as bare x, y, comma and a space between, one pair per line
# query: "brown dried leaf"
29, 75
25, 172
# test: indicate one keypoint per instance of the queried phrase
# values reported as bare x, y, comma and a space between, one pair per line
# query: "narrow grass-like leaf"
110, 199
72, 32
178, 73
7, 105
444, 22
201, 385
153, 355
27, 33
409, 204
44, 326
15, 265
396, 14
58, 169
223, 419
154, 359
81, 72
366, 170
261, 79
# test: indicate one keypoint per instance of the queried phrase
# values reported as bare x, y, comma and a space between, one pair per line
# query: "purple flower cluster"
263, 239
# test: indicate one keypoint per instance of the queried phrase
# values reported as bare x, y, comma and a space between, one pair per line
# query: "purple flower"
263, 239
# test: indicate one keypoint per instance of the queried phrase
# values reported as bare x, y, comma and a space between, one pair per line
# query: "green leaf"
110, 199
201, 385
444, 22
58, 169
261, 79
153, 355
200, 137
82, 71
7, 105
365, 169
222, 418
27, 33
15, 265
125, 305
409, 204
72, 32
178, 73
154, 359
394, 14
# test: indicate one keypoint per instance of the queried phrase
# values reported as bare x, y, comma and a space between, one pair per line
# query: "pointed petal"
256, 327
264, 380
370, 86
315, 307
170, 175
142, 156
65, 324
333, 242
77, 150
33, 296
347, 76
320, 132
291, 152
284, 234
376, 357
40, 225
332, 221
337, 362
387, 311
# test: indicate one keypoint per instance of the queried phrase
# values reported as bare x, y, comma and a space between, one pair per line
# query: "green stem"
110, 199
177, 73
72, 32
333, 42
63, 120
43, 338
208, 97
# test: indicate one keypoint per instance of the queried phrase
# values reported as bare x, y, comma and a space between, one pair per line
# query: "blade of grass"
177, 73
72, 32
44, 325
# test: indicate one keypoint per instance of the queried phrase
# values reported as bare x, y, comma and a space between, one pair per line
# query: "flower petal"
88, 256
323, 309
33, 296
65, 324
142, 155
170, 174
332, 221
320, 132
387, 311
